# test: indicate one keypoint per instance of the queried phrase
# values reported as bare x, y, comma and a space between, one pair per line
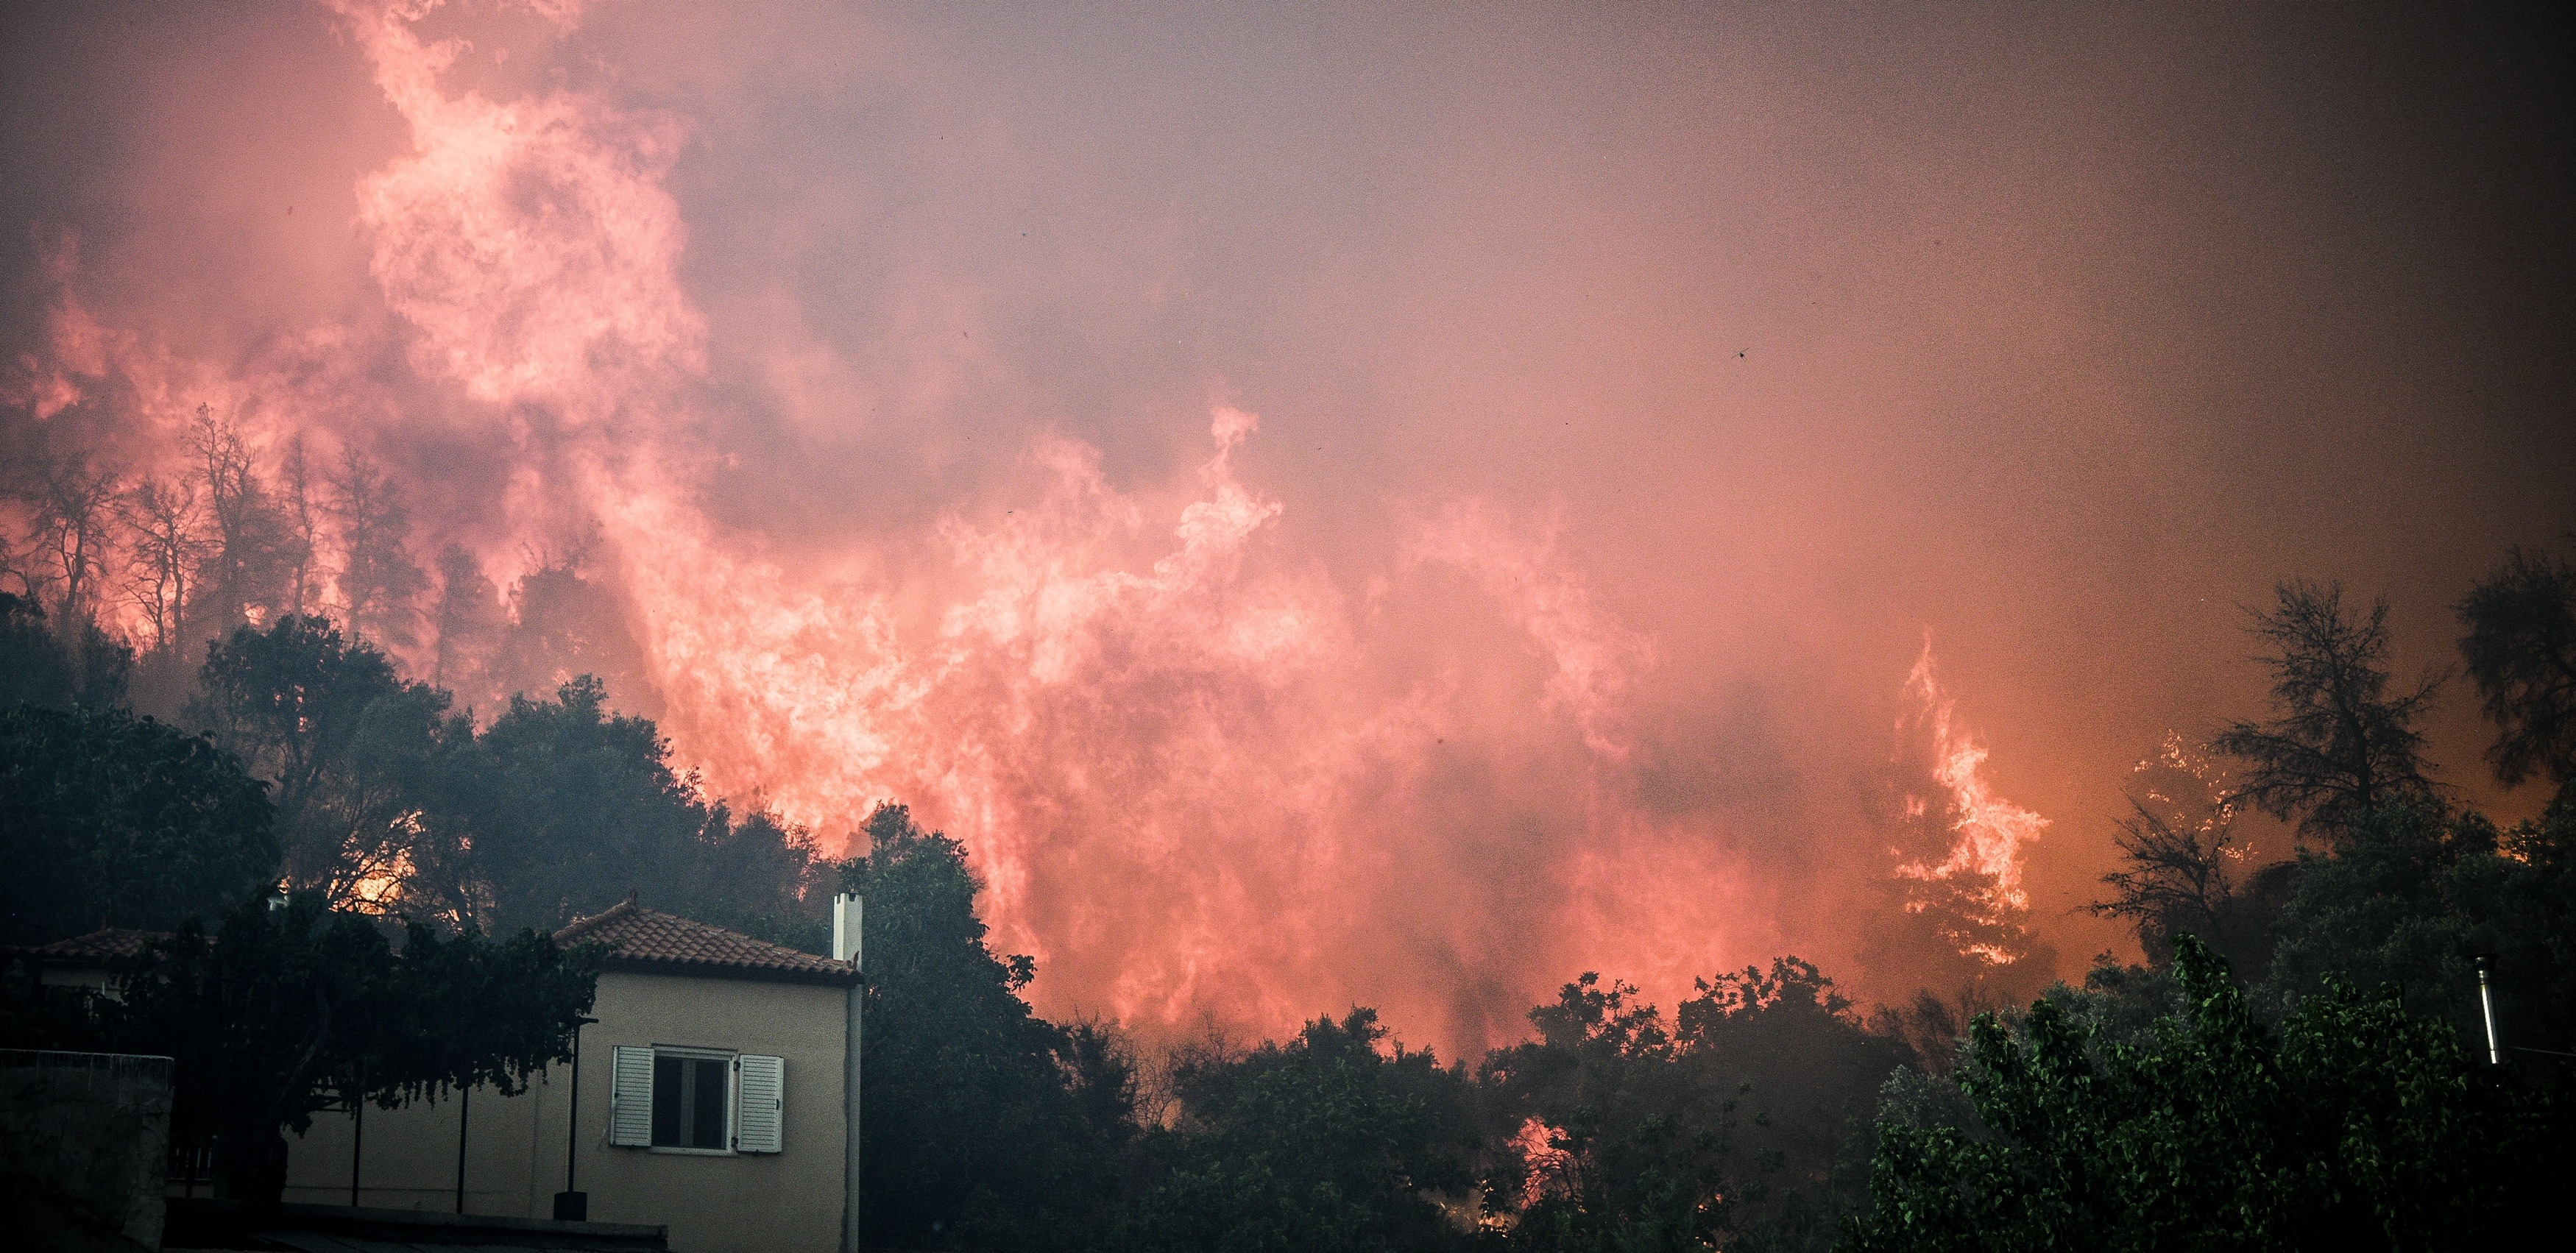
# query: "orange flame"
1984, 860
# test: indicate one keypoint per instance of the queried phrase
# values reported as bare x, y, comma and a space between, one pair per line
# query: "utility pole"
847, 913
464, 1106
571, 1204
2486, 1002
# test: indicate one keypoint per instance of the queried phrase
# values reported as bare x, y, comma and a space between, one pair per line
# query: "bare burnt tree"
167, 546
2521, 651
379, 585
2339, 745
71, 510
244, 579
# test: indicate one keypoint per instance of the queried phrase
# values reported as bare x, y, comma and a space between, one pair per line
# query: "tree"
350, 748
303, 529
246, 576
121, 821
71, 504
566, 626
2521, 651
2356, 1125
163, 532
978, 1130
1614, 1143
467, 621
294, 1007
2338, 746
379, 584
1328, 1142
2419, 891
41, 666
572, 805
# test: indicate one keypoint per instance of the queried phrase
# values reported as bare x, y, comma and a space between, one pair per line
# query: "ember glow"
1329, 511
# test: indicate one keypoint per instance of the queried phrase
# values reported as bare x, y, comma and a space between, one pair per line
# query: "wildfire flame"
1984, 859
1195, 768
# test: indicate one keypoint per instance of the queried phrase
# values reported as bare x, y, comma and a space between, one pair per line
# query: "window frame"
732, 1098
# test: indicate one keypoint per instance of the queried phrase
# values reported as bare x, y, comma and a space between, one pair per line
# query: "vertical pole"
2486, 1002
572, 1117
357, 1142
847, 914
464, 1106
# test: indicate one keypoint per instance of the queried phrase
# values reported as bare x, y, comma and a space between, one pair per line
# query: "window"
684, 1100
692, 1097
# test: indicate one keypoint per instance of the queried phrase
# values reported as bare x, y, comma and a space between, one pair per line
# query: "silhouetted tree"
351, 748
2416, 892
164, 536
380, 586
2521, 650
289, 1009
71, 508
111, 820
2338, 745
468, 621
39, 665
246, 577
981, 1130
2356, 1125
1329, 1142
301, 513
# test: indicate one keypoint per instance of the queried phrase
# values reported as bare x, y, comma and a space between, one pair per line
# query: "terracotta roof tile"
650, 940
98, 945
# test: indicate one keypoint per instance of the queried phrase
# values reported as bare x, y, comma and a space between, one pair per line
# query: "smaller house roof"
653, 942
96, 948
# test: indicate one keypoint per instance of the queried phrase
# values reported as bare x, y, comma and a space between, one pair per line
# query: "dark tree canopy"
292, 1007
1331, 1141
2338, 744
2357, 1125
42, 665
982, 1126
567, 805
111, 820
2521, 651
343, 739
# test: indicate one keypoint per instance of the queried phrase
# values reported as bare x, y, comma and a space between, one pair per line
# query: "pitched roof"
649, 940
97, 946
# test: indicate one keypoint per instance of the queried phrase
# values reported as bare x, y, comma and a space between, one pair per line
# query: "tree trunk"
250, 1164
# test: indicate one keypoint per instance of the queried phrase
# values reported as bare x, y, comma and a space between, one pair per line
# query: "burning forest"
1282, 541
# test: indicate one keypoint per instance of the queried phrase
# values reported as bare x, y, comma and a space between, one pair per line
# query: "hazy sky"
1340, 504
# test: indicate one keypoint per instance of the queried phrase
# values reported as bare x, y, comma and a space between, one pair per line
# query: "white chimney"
846, 911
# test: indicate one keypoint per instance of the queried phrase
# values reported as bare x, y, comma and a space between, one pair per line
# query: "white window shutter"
760, 1094
630, 1097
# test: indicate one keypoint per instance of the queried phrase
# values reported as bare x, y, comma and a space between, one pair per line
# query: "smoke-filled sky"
1396, 506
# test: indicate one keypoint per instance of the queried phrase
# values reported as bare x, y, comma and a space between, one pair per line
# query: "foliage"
2418, 892
987, 1126
114, 820
2357, 1124
293, 1007
1327, 1142
566, 806
2339, 745
345, 741
1728, 1126
2521, 651
40, 666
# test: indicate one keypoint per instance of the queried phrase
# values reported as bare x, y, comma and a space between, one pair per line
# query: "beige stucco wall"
790, 1200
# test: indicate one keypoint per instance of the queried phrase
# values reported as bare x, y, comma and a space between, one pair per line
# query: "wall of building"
84, 1139
790, 1200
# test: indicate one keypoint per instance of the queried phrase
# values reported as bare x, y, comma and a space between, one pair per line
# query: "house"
710, 1099
714, 1094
